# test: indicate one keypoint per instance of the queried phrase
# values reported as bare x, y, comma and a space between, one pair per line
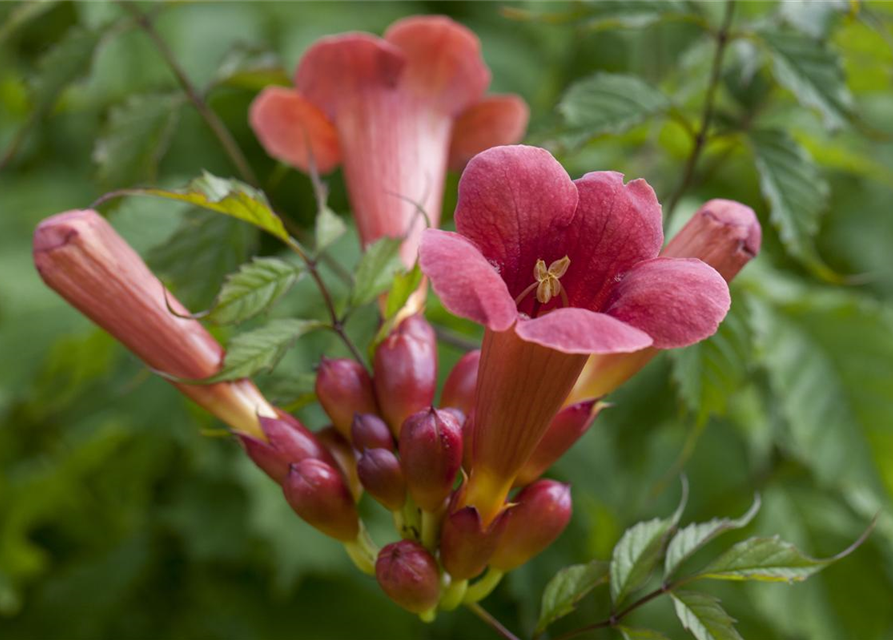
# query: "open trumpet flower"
395, 112
555, 270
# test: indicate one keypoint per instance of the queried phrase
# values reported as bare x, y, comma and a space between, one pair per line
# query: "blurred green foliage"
122, 517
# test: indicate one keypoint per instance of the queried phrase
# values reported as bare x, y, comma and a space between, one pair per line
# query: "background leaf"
567, 587
253, 289
376, 270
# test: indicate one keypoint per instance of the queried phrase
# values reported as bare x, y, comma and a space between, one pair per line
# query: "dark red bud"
381, 475
344, 388
458, 390
467, 442
318, 494
344, 456
288, 441
431, 455
405, 371
465, 545
565, 429
541, 512
408, 573
368, 431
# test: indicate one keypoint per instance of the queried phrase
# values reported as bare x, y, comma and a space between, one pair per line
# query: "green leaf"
813, 73
376, 270
608, 15
404, 285
228, 196
608, 103
135, 138
253, 289
329, 227
252, 68
639, 551
261, 349
703, 616
764, 559
796, 191
710, 372
290, 393
65, 63
566, 589
694, 536
631, 633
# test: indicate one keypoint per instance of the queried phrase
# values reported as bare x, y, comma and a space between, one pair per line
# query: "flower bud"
80, 256
405, 371
381, 475
368, 431
723, 233
318, 494
344, 455
458, 390
430, 454
343, 388
288, 441
465, 545
541, 512
565, 429
408, 573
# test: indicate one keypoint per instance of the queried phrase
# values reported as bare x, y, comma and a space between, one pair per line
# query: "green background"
124, 514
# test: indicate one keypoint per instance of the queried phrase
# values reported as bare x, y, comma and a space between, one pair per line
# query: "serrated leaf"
228, 196
694, 536
639, 551
710, 372
764, 559
632, 633
135, 138
65, 63
376, 270
813, 73
329, 227
796, 191
608, 103
261, 349
567, 587
253, 289
702, 615
404, 285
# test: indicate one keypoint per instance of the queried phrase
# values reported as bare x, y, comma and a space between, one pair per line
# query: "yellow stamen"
548, 285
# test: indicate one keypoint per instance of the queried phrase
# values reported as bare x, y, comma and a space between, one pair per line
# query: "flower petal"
677, 301
444, 61
287, 124
467, 284
582, 331
514, 205
335, 70
494, 121
617, 226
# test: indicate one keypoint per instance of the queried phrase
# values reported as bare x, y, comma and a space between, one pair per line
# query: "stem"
722, 39
483, 587
363, 552
454, 340
430, 529
481, 613
216, 125
453, 595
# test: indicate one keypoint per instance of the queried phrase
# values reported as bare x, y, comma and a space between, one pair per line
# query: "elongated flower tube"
395, 112
723, 233
80, 256
555, 270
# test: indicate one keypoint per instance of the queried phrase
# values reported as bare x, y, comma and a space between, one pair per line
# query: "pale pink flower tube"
80, 256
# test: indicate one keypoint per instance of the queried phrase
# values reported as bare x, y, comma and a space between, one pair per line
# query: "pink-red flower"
395, 112
555, 270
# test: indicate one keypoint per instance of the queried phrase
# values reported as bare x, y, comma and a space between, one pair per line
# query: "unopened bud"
344, 388
318, 494
344, 455
430, 454
405, 371
408, 573
466, 546
565, 429
723, 233
368, 431
381, 475
541, 512
288, 441
458, 390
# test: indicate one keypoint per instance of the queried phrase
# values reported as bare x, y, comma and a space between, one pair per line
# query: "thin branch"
455, 340
496, 625
722, 39
216, 125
